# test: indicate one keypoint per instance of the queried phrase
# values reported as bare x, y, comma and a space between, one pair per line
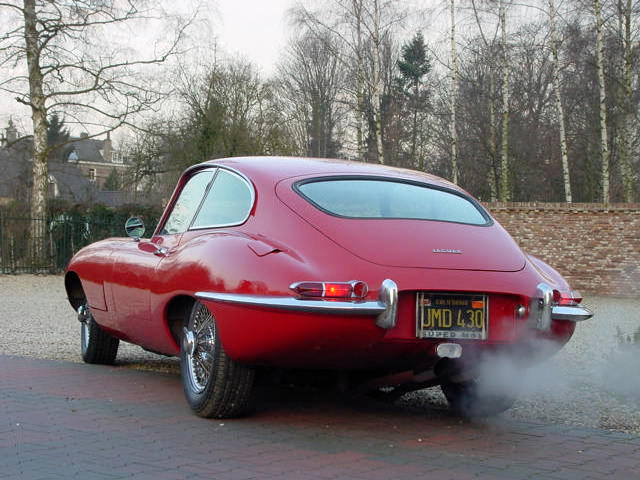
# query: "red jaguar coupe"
387, 277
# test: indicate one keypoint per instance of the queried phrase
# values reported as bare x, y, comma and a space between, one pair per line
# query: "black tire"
96, 345
469, 400
215, 385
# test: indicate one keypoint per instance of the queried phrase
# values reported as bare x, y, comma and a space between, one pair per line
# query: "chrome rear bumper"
543, 310
385, 309
572, 314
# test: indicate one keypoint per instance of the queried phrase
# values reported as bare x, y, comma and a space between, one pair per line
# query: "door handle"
161, 252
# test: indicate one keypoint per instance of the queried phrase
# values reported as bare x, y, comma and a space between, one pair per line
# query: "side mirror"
134, 228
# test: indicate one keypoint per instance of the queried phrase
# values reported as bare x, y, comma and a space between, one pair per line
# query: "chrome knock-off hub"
83, 314
189, 342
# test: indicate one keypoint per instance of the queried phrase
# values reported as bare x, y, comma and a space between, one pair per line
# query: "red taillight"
567, 299
353, 289
337, 290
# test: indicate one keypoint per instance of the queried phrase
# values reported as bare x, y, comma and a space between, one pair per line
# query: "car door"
135, 264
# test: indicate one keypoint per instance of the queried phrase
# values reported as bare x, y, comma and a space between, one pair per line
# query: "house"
78, 175
15, 180
96, 159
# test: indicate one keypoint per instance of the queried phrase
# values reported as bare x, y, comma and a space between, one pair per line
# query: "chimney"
11, 134
107, 149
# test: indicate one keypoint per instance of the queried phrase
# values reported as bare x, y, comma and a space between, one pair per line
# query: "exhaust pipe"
452, 371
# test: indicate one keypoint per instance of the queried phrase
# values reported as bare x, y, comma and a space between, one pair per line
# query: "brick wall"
595, 246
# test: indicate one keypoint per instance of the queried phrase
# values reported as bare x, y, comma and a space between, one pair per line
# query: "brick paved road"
62, 420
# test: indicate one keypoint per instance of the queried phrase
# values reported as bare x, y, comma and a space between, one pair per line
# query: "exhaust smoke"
594, 381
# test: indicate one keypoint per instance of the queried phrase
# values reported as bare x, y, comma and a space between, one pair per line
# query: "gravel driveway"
594, 381
37, 321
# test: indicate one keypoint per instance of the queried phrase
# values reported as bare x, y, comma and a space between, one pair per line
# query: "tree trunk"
604, 147
414, 130
558, 94
357, 13
628, 177
493, 143
360, 116
454, 95
493, 174
504, 154
375, 80
40, 176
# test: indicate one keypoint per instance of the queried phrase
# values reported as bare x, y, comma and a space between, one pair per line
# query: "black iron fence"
37, 245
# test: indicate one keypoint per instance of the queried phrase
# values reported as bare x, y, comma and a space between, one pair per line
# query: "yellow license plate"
452, 315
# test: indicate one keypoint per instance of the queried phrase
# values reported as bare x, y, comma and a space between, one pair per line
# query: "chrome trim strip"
386, 308
571, 313
292, 303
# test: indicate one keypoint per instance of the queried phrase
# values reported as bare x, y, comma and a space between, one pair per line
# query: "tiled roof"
72, 184
87, 150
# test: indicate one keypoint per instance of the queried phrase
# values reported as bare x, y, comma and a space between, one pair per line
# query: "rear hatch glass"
373, 198
403, 223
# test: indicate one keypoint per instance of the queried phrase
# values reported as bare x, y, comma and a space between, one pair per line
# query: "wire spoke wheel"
215, 385
201, 330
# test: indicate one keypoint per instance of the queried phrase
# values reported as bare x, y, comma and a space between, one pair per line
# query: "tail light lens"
353, 289
567, 299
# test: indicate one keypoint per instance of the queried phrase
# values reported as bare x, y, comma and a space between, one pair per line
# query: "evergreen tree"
112, 183
57, 135
414, 64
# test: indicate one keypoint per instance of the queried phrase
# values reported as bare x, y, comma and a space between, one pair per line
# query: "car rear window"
385, 198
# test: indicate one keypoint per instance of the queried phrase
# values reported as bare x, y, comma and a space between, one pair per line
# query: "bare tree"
68, 71
376, 76
553, 106
497, 175
625, 11
553, 34
505, 194
604, 146
312, 80
356, 6
358, 29
454, 95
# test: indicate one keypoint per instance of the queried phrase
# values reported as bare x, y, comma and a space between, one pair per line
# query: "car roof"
274, 169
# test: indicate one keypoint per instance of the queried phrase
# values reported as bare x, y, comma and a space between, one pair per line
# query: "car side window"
187, 204
228, 202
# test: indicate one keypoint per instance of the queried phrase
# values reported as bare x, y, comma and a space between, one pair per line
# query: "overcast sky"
254, 29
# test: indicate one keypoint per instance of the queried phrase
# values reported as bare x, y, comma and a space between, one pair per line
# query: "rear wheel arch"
75, 292
177, 312
97, 346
